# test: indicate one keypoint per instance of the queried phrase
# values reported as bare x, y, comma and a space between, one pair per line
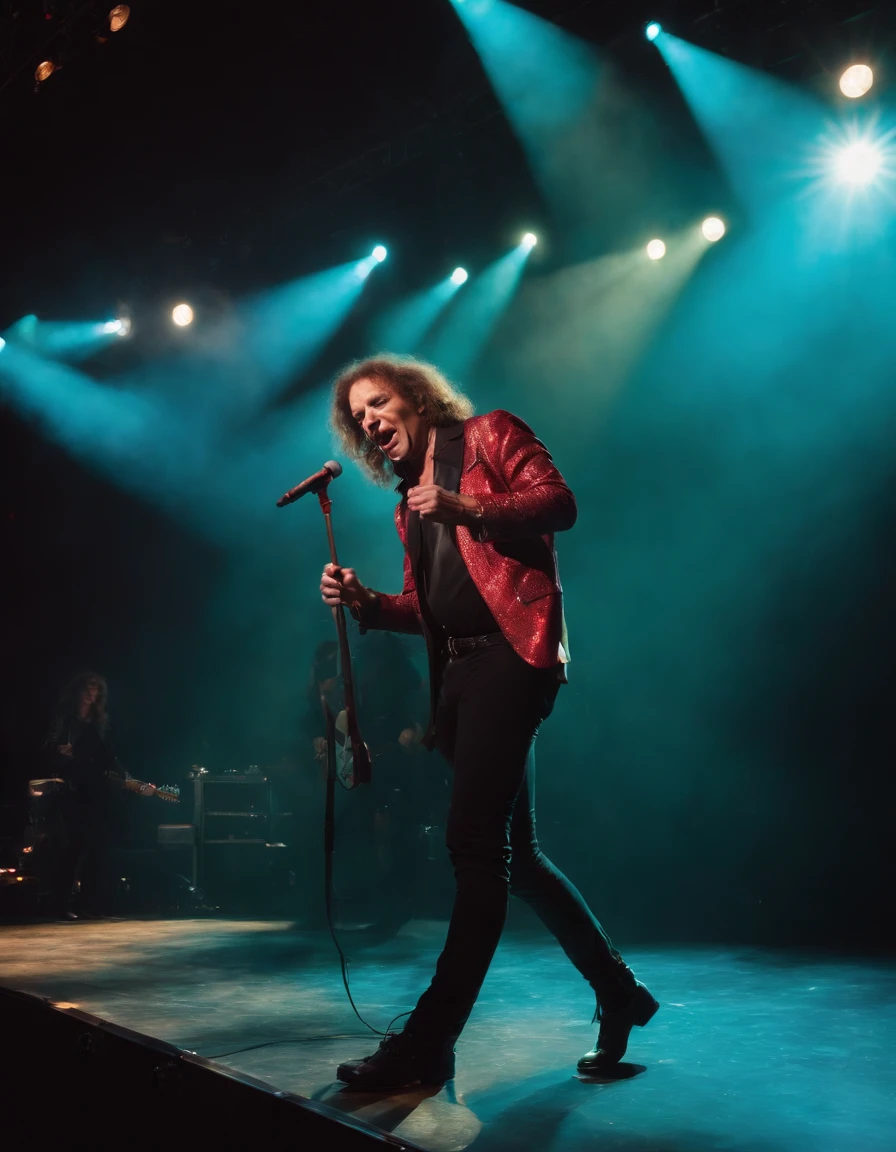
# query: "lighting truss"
31, 32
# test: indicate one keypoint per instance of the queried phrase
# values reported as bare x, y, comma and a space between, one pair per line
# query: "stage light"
529, 241
656, 249
459, 276
713, 228
859, 163
2, 343
652, 30
856, 81
120, 327
364, 267
182, 315
118, 17
44, 71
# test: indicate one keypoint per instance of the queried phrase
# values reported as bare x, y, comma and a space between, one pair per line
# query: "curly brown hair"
70, 699
422, 384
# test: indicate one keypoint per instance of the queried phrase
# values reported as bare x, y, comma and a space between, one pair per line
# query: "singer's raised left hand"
443, 507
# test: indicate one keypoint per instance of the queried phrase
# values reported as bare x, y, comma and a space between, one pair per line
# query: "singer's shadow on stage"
389, 1109
546, 1107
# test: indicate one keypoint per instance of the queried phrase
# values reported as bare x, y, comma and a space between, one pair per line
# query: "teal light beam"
403, 328
543, 76
548, 83
232, 369
467, 327
118, 432
284, 329
589, 326
762, 129
782, 150
69, 340
173, 429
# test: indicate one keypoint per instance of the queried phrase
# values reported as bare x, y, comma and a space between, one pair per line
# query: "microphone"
314, 483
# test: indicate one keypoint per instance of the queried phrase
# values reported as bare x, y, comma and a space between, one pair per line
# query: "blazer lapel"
413, 531
448, 457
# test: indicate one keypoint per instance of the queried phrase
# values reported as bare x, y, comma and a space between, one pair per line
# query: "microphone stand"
360, 753
361, 757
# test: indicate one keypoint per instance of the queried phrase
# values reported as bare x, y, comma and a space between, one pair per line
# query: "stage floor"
752, 1050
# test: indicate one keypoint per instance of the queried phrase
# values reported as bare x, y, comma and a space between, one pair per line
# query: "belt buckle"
452, 651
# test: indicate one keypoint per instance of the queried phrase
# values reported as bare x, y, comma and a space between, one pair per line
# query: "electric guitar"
346, 770
169, 792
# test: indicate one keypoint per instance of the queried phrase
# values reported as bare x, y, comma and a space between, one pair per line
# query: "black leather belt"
463, 645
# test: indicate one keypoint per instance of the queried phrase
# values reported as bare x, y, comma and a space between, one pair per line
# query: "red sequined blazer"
510, 552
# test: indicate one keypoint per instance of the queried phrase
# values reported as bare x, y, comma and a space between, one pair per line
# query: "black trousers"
81, 852
491, 706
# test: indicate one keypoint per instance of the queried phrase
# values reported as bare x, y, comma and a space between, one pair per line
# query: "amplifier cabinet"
233, 816
226, 827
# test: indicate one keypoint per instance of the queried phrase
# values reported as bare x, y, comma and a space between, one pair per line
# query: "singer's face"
389, 420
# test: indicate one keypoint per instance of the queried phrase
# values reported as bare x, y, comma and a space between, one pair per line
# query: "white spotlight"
653, 30
856, 81
656, 249
2, 343
182, 315
529, 241
119, 327
713, 228
859, 163
379, 253
459, 276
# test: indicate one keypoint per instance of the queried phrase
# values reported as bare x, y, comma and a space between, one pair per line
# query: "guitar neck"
172, 795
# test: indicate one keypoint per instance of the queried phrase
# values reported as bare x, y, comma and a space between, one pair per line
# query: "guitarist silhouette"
85, 816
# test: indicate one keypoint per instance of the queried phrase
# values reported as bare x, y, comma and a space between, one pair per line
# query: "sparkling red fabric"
510, 554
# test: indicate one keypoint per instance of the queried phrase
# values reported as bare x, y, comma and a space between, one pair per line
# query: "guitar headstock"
169, 792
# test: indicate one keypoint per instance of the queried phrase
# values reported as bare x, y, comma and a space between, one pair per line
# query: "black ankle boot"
623, 1003
403, 1060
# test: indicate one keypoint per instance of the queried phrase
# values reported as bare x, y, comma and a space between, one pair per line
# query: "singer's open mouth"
389, 443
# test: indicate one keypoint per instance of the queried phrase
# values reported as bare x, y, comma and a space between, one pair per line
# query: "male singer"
480, 502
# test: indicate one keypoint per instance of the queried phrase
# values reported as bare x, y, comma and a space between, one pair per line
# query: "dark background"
741, 789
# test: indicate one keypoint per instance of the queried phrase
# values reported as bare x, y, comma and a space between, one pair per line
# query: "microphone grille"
334, 468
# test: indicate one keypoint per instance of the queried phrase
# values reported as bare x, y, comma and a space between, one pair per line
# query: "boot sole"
351, 1075
363, 1084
